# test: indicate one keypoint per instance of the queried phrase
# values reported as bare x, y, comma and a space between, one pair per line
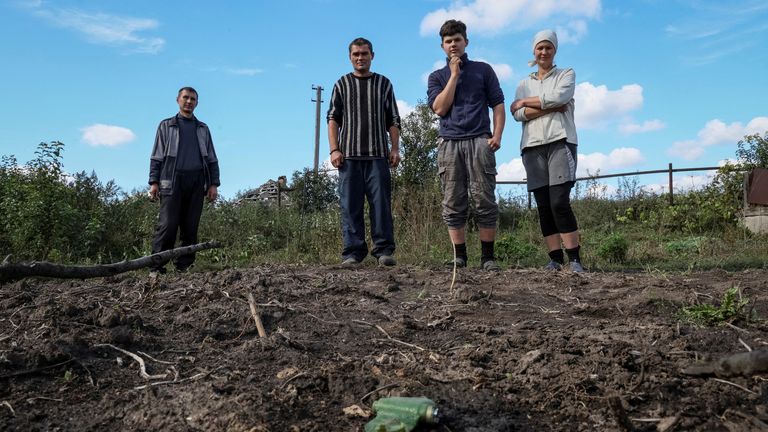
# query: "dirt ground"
513, 351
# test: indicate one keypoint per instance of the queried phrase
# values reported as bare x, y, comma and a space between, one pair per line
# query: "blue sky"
658, 81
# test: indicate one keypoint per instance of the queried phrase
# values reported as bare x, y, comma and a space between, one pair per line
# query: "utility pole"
318, 100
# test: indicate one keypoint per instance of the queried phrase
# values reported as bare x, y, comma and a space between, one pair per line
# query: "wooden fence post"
671, 196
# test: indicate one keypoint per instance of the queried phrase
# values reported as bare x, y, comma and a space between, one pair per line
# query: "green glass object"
401, 414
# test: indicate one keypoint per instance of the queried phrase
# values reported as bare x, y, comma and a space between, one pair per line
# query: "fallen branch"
745, 364
142, 366
11, 272
255, 313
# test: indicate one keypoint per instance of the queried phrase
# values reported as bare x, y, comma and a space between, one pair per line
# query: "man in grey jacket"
183, 169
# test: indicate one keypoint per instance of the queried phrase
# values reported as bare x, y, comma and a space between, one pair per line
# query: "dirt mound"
517, 350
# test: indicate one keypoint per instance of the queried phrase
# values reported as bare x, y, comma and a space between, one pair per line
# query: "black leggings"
555, 213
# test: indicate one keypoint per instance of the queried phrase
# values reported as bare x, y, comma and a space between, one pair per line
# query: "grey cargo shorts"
550, 164
467, 168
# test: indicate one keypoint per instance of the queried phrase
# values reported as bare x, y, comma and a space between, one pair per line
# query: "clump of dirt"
516, 350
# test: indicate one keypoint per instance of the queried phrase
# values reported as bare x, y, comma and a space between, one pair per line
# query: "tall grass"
80, 220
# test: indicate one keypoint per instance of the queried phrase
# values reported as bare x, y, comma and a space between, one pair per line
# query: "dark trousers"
180, 211
555, 212
358, 180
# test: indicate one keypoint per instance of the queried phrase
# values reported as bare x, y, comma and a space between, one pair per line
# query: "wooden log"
744, 364
16, 271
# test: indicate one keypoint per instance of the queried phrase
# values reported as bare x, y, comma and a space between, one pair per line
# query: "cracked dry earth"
518, 350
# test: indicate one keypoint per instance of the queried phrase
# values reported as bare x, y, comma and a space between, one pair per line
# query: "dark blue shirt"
188, 157
477, 90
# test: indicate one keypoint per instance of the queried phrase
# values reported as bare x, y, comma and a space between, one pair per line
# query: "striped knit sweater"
365, 109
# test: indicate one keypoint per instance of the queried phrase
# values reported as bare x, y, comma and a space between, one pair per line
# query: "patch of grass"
686, 247
614, 248
510, 248
732, 306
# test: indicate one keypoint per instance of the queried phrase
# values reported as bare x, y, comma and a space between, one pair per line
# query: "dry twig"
745, 345
387, 335
154, 359
734, 384
736, 328
6, 403
143, 368
362, 399
192, 378
255, 314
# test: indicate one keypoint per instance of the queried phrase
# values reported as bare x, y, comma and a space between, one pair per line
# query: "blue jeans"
358, 180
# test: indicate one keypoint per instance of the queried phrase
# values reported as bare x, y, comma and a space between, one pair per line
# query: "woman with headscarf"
544, 105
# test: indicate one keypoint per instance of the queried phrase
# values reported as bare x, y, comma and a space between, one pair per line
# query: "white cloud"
105, 29
717, 132
646, 126
511, 171
503, 71
571, 33
681, 183
243, 71
588, 164
435, 66
494, 16
404, 108
250, 72
597, 106
106, 135
594, 163
328, 168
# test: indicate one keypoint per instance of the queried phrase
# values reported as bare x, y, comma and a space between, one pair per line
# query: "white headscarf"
544, 35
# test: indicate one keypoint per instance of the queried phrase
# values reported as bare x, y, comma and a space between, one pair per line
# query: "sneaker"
351, 261
553, 266
576, 267
459, 262
491, 266
387, 260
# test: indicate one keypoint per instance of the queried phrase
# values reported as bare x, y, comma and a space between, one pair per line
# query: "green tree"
752, 151
418, 143
312, 192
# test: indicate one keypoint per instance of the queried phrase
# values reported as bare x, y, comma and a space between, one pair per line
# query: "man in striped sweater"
361, 114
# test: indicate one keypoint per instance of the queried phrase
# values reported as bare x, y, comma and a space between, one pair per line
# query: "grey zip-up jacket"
556, 89
162, 163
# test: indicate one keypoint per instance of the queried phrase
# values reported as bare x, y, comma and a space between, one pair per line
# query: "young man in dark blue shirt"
461, 94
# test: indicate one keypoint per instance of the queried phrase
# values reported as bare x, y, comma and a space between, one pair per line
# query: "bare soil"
518, 350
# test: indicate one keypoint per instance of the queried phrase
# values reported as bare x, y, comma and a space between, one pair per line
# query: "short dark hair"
189, 89
452, 27
360, 42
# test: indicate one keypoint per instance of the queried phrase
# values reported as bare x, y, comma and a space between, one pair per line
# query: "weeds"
732, 307
46, 215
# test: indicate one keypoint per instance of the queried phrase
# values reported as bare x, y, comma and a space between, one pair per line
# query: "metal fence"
669, 170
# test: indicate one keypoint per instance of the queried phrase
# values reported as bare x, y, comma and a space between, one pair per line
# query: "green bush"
509, 248
614, 248
47, 214
684, 248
